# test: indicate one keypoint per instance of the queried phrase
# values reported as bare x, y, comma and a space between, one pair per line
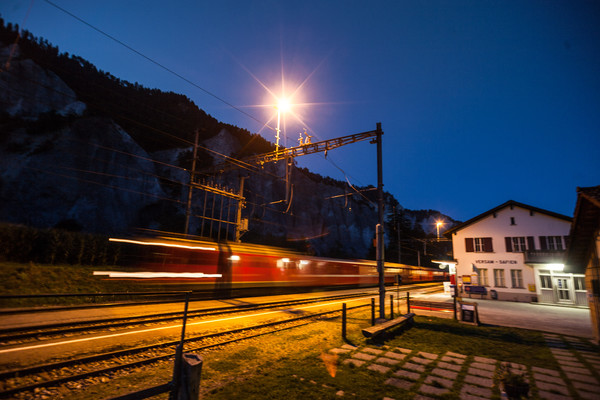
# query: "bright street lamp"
283, 105
438, 224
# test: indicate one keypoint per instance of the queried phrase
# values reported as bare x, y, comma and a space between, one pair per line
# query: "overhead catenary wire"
157, 63
233, 160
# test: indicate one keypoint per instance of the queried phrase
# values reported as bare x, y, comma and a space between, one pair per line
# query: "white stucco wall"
498, 226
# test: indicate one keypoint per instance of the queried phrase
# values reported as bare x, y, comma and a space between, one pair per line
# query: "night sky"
480, 101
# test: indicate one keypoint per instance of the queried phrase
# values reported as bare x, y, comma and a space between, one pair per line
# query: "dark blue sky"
480, 101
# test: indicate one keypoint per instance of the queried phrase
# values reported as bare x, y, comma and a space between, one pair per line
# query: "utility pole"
380, 225
240, 205
189, 199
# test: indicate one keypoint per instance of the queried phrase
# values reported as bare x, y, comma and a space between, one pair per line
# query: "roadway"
564, 320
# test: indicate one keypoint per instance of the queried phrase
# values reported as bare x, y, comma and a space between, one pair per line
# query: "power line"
157, 63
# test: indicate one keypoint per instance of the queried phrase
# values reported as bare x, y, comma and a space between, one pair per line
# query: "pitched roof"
586, 221
509, 203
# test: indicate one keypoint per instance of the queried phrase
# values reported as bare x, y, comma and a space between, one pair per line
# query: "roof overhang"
584, 229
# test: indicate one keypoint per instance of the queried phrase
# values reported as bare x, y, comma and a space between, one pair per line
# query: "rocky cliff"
63, 166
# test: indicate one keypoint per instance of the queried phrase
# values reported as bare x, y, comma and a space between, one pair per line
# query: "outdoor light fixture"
234, 258
437, 225
555, 267
283, 105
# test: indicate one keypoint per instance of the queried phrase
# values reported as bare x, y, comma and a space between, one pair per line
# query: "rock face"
74, 174
27, 90
58, 165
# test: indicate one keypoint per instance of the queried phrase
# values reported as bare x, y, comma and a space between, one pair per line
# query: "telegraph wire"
102, 184
157, 63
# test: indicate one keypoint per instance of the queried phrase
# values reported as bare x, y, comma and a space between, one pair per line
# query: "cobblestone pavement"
433, 375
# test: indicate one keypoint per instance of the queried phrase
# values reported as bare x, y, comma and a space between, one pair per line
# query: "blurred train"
208, 265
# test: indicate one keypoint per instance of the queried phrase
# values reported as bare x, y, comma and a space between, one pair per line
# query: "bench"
375, 330
476, 290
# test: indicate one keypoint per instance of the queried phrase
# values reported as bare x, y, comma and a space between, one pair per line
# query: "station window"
546, 281
482, 273
518, 244
551, 242
516, 277
479, 245
579, 282
499, 278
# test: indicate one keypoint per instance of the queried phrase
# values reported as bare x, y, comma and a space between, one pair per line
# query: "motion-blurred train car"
210, 265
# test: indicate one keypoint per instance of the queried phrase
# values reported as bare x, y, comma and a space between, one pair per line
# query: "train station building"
516, 252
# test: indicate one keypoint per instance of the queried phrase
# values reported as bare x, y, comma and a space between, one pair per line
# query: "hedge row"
53, 246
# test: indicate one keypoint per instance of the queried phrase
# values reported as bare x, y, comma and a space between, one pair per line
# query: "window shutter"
469, 245
543, 243
566, 241
487, 245
508, 242
530, 243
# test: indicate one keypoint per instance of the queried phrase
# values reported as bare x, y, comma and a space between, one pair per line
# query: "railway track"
23, 383
48, 331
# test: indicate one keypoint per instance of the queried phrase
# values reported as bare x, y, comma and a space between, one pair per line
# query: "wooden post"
191, 371
176, 391
344, 321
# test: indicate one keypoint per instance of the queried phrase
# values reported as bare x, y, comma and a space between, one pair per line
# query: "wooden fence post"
191, 371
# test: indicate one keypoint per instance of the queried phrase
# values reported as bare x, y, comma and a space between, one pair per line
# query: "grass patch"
27, 279
289, 364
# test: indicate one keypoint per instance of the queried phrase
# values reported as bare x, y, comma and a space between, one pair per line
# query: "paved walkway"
435, 375
570, 321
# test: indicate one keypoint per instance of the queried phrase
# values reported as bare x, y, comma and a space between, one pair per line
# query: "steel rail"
100, 324
12, 334
106, 356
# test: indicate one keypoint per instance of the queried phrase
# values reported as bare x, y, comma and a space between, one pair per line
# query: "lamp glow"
437, 225
283, 105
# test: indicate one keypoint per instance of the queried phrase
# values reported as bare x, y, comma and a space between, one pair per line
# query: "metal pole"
344, 321
179, 354
455, 294
380, 229
240, 205
407, 302
372, 311
189, 199
391, 306
203, 214
398, 291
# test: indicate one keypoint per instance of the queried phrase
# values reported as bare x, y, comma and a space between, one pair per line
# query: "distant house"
516, 252
583, 254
